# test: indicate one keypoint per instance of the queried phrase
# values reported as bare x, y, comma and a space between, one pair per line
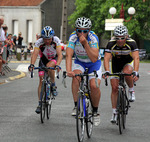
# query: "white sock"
131, 89
114, 110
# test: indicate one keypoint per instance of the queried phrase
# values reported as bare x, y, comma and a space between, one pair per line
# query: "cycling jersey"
80, 52
47, 52
121, 55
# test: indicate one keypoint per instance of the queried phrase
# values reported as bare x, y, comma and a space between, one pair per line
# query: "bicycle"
123, 104
46, 96
84, 112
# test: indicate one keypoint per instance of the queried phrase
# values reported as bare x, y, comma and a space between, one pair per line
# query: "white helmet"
120, 31
83, 22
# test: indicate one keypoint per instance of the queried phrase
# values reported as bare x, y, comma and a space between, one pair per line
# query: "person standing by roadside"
2, 33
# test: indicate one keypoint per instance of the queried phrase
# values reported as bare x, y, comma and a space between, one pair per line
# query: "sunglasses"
119, 38
84, 31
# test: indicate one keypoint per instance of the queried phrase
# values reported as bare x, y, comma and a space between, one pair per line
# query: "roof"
20, 2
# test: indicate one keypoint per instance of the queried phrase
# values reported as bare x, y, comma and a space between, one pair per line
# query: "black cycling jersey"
121, 55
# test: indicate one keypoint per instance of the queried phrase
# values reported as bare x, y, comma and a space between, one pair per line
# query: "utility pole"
63, 33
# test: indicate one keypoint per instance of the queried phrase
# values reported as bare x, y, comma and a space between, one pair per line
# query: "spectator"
30, 48
38, 36
5, 28
63, 45
2, 33
20, 39
14, 40
1, 59
9, 45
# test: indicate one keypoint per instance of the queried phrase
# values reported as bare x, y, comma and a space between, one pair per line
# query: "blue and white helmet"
47, 32
120, 31
83, 22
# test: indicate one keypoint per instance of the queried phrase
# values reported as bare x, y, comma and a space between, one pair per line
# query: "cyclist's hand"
71, 74
105, 75
135, 75
31, 67
83, 40
58, 68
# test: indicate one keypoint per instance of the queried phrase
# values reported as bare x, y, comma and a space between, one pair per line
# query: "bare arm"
135, 56
107, 58
59, 54
34, 56
91, 52
69, 54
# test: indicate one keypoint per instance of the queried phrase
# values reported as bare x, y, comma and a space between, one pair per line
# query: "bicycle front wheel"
125, 108
80, 121
120, 111
49, 105
89, 118
43, 102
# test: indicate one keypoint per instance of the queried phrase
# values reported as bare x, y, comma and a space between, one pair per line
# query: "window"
29, 31
15, 27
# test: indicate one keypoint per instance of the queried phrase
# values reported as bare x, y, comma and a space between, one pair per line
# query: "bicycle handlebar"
47, 68
120, 74
80, 75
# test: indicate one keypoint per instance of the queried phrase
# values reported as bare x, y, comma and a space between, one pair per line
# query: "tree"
98, 11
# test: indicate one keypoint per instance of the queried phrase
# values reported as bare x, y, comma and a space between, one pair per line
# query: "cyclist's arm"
91, 52
59, 54
69, 54
34, 55
135, 56
107, 58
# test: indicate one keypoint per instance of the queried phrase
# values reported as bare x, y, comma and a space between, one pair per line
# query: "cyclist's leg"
95, 91
114, 95
41, 75
128, 68
52, 63
77, 68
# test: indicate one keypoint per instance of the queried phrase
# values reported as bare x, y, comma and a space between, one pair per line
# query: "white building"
23, 16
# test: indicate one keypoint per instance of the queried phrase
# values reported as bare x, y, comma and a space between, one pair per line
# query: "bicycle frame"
84, 115
45, 102
123, 103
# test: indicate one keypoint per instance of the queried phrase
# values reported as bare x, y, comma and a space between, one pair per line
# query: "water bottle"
47, 90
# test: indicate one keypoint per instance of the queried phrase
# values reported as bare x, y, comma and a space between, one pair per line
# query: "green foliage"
98, 11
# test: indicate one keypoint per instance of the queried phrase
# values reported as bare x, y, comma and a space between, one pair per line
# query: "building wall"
53, 14
22, 14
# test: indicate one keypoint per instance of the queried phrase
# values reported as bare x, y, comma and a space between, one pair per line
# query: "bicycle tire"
80, 121
43, 102
125, 109
49, 105
120, 111
89, 118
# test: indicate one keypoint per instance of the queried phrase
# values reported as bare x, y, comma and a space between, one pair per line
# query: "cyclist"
124, 55
49, 48
85, 44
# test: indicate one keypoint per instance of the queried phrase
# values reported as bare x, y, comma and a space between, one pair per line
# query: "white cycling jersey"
49, 51
78, 48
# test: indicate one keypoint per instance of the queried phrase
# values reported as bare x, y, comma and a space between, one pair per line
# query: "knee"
75, 81
93, 86
115, 89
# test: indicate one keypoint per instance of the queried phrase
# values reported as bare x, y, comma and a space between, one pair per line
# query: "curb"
21, 75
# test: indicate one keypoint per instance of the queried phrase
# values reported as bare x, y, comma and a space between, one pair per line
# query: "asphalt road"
20, 123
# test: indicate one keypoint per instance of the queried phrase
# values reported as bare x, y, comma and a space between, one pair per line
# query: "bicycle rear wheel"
89, 118
80, 121
49, 105
120, 111
43, 102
